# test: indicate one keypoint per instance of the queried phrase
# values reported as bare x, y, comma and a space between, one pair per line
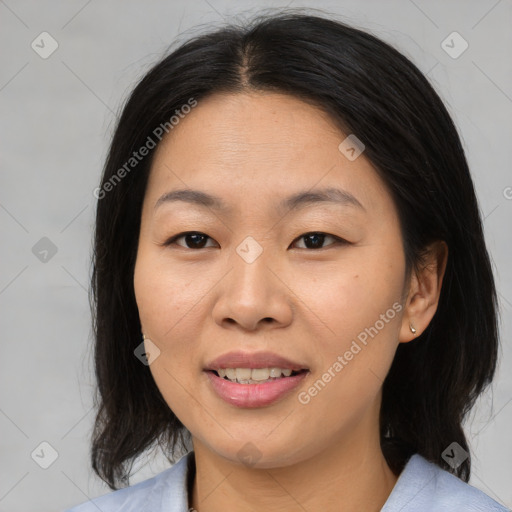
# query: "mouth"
255, 375
252, 393
253, 380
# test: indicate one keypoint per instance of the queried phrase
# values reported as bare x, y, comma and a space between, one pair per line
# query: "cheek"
358, 311
165, 299
356, 351
165, 295
170, 299
352, 293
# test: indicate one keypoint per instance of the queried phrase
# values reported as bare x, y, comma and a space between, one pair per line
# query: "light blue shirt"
421, 487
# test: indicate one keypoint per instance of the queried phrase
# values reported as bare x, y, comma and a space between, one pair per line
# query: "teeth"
259, 374
243, 374
253, 375
275, 372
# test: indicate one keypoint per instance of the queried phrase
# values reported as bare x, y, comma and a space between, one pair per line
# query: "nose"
253, 296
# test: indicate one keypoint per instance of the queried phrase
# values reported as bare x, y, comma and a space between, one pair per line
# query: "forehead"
240, 147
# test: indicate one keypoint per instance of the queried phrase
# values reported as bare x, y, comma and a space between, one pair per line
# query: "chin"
260, 452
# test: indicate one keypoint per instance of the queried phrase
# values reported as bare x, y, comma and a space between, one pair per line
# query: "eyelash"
338, 240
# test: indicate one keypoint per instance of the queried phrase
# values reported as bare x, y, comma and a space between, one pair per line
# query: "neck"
349, 475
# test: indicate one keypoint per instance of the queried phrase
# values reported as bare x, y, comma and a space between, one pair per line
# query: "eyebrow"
294, 202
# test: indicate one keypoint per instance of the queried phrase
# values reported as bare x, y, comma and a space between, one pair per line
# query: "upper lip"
242, 359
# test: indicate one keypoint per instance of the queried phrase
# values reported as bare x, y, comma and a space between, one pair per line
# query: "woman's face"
248, 281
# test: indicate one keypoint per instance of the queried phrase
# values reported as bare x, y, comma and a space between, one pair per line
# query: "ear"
424, 291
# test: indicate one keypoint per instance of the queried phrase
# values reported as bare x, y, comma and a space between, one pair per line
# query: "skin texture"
253, 150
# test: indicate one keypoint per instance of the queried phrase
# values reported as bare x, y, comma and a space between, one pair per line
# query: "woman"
291, 285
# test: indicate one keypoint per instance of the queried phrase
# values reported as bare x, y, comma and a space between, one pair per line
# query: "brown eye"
198, 240
193, 240
315, 240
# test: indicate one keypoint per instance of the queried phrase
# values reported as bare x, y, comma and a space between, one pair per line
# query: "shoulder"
424, 486
166, 491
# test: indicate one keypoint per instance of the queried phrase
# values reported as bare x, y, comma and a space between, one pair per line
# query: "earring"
413, 330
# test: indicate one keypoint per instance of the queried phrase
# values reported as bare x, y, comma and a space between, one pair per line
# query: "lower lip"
254, 395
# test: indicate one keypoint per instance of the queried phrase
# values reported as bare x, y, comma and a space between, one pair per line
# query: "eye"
315, 240
194, 240
197, 240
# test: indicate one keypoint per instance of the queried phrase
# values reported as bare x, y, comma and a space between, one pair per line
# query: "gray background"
56, 121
